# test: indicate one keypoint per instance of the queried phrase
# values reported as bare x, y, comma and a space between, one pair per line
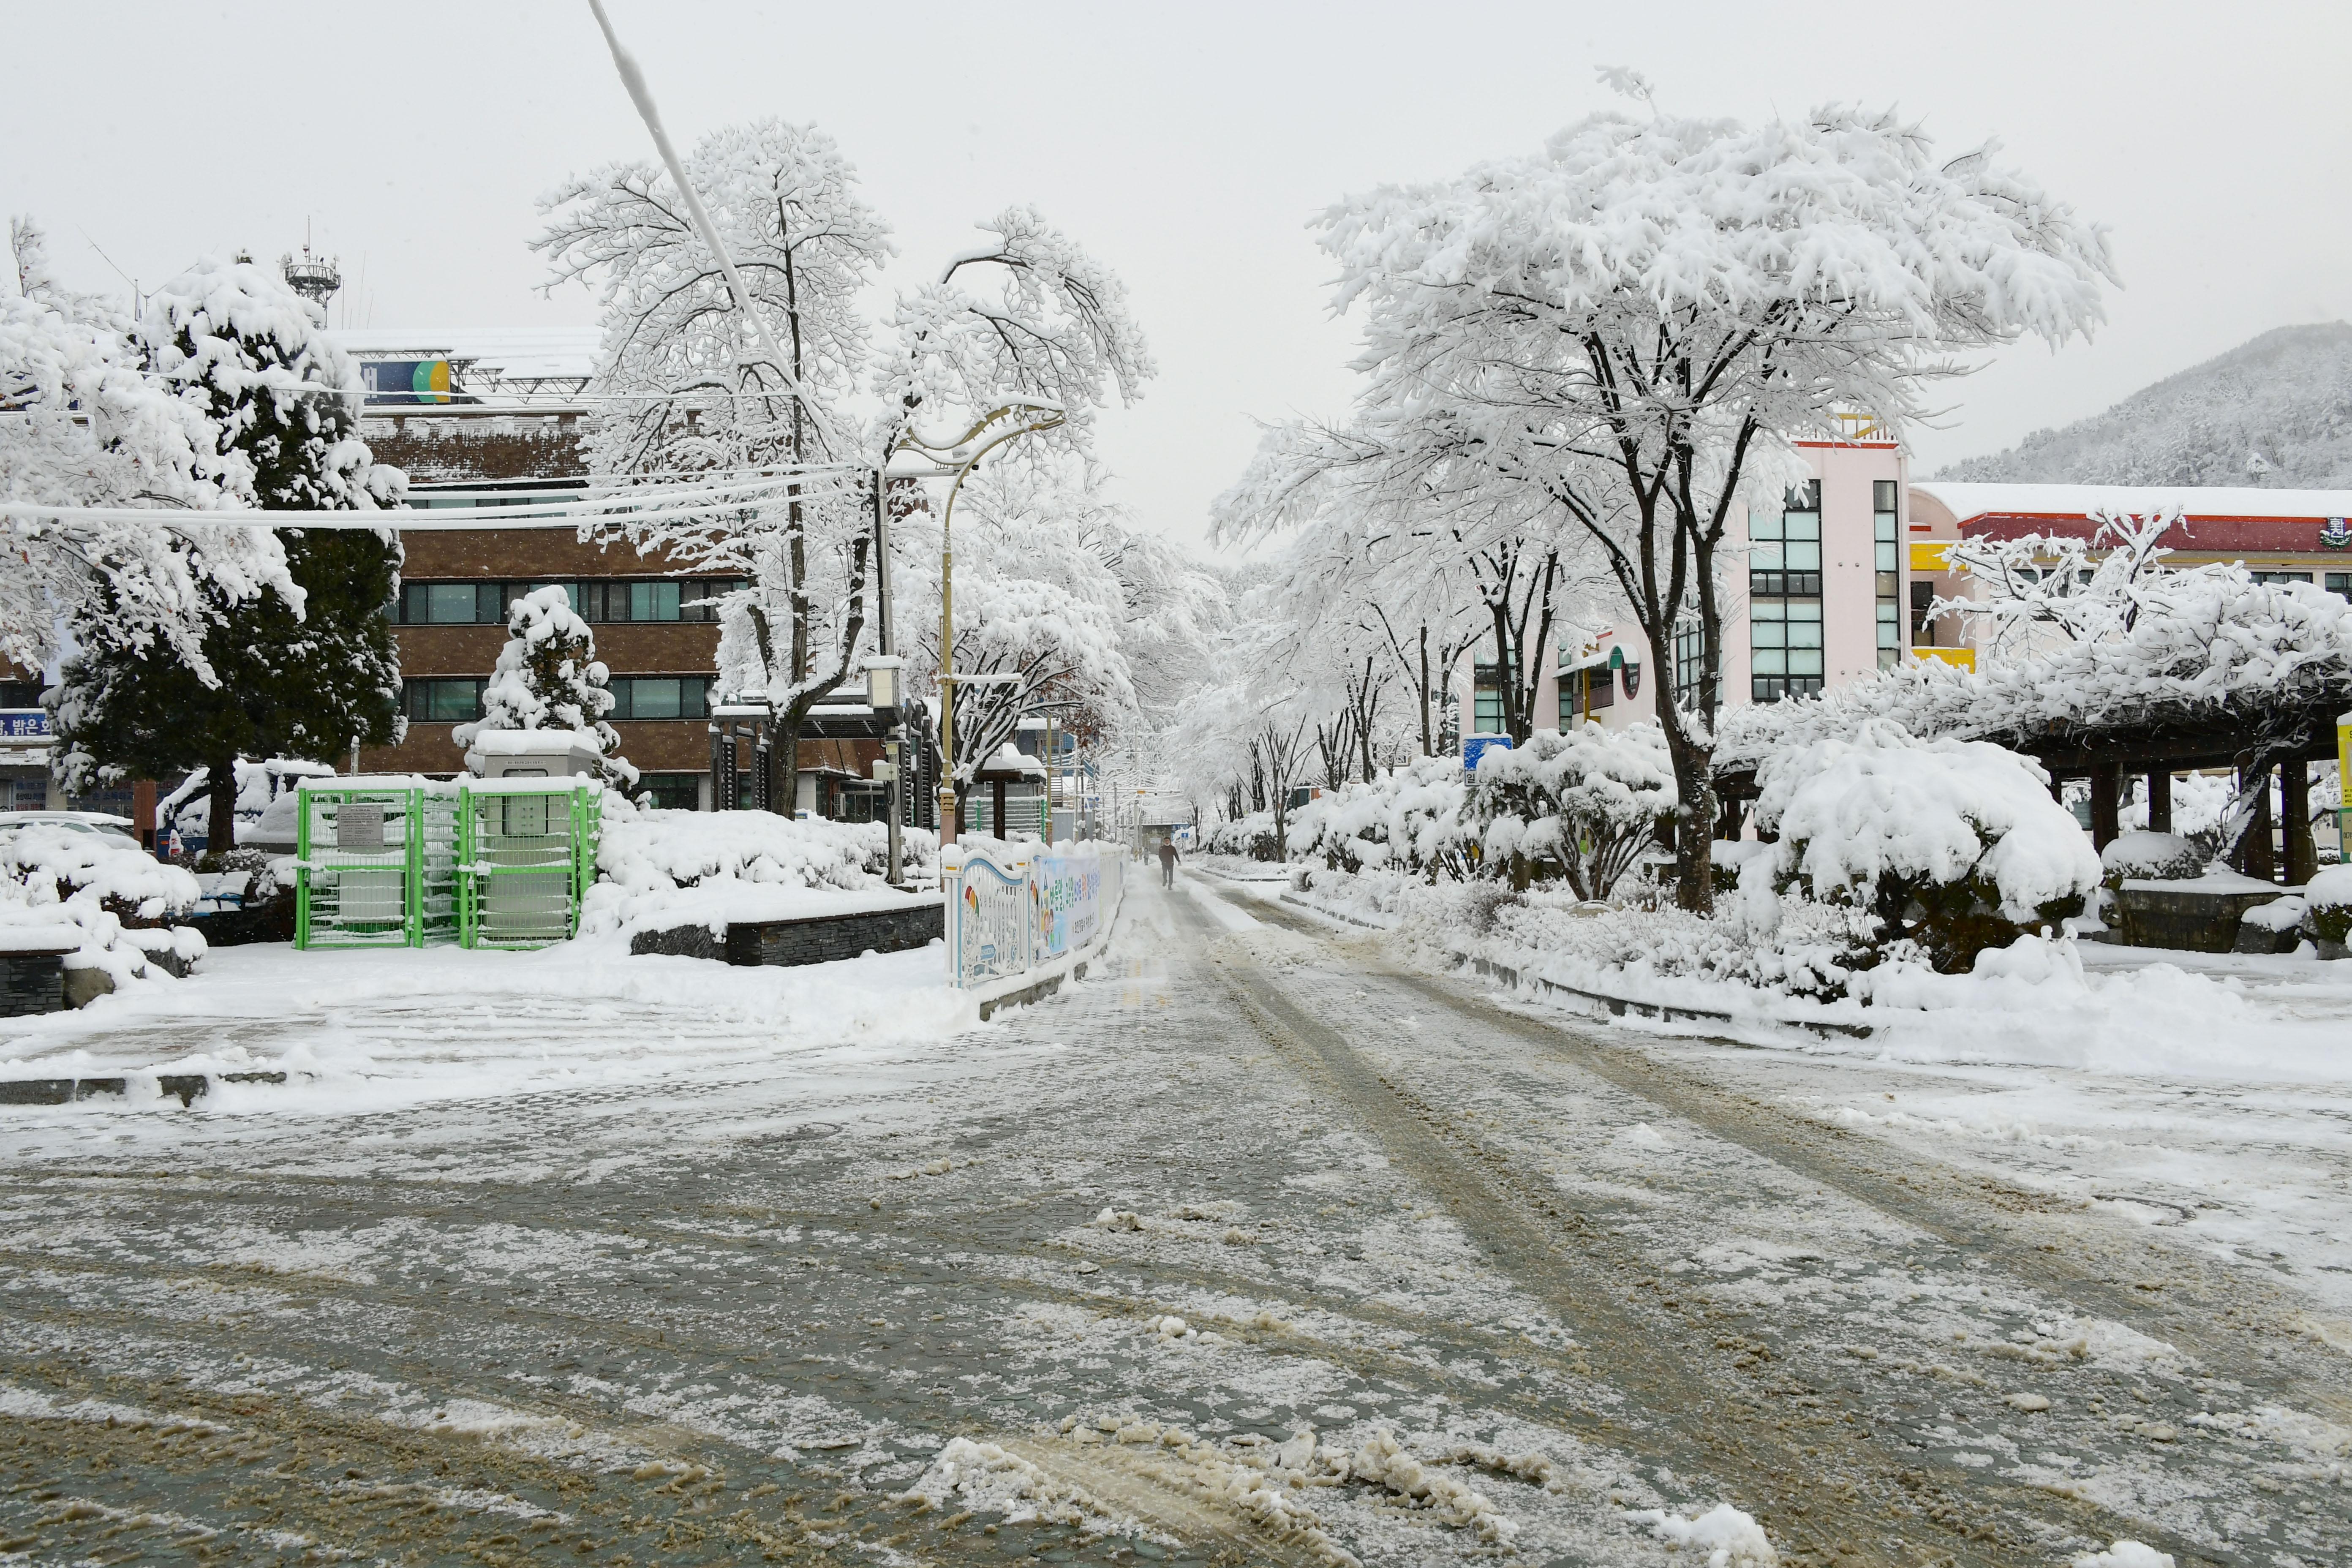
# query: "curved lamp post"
956, 459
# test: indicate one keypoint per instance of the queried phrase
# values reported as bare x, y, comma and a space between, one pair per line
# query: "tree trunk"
220, 793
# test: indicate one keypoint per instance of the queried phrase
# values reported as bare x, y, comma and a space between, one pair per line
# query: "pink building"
1827, 596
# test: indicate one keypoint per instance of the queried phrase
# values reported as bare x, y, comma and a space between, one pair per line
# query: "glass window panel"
1804, 661
1885, 561
1883, 530
448, 602
1762, 525
1804, 634
2340, 583
654, 697
1804, 555
1804, 609
1765, 557
1803, 525
653, 601
1768, 634
1881, 494
1889, 635
1769, 661
1769, 610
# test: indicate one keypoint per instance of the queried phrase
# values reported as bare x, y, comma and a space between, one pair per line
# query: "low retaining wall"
31, 983
811, 938
1618, 1006
2184, 917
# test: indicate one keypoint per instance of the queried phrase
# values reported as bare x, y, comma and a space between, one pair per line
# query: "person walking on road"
1167, 863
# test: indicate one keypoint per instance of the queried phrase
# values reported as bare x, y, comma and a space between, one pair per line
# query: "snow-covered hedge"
1250, 837
61, 886
1589, 800
2328, 900
657, 869
2151, 856
1955, 845
1412, 820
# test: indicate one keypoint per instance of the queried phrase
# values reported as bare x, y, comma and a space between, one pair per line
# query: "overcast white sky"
1186, 145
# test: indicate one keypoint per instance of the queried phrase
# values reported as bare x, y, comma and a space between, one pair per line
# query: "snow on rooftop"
1967, 500
527, 352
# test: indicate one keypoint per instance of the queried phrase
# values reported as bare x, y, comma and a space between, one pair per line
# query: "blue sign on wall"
1476, 746
21, 723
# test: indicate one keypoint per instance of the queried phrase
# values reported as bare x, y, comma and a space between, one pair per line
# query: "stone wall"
820, 938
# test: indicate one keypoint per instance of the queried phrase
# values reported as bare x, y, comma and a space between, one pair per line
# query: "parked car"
77, 821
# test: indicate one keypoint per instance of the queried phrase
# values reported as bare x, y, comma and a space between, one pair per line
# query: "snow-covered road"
1082, 1283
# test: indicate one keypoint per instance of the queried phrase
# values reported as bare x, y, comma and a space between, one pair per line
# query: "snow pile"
2126, 1554
1384, 1461
1729, 1538
1954, 844
984, 1476
60, 887
661, 869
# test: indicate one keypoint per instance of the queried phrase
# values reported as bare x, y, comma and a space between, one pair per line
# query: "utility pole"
893, 742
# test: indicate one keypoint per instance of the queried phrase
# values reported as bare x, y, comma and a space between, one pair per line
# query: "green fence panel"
527, 854
375, 864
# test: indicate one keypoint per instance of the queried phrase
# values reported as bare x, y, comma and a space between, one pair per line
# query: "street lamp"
956, 459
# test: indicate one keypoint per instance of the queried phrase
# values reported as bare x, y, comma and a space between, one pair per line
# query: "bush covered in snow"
1412, 820
1250, 837
2151, 856
1955, 845
110, 898
657, 868
1589, 800
2328, 900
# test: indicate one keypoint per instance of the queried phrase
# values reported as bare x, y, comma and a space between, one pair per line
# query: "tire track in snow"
1825, 1494
2238, 1327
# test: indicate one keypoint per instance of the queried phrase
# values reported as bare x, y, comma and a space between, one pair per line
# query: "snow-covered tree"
1026, 315
694, 394
547, 677
306, 671
2042, 588
1591, 799
1627, 331
86, 420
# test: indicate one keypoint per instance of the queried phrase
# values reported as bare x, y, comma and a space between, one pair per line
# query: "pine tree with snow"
548, 677
306, 669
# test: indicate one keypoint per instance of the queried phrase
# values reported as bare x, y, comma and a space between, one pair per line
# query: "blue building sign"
24, 723
1477, 746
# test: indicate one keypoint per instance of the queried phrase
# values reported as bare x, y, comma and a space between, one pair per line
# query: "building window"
1923, 599
1487, 700
595, 600
2341, 585
674, 792
1784, 591
660, 696
1885, 543
2287, 576
20, 694
455, 701
1691, 669
1589, 689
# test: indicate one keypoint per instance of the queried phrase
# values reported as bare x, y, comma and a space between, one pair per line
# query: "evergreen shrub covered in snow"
547, 677
114, 897
1955, 845
1414, 821
1251, 837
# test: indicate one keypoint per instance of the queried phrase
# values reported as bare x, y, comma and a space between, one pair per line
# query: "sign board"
24, 723
994, 920
360, 825
1477, 746
1065, 891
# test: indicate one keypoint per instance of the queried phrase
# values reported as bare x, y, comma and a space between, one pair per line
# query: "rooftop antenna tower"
315, 277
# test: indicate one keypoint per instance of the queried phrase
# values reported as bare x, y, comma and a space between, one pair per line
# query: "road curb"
188, 1088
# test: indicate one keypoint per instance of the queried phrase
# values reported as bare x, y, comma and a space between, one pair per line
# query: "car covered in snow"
98, 821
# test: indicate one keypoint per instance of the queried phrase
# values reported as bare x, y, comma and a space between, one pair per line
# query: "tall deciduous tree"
1626, 332
305, 668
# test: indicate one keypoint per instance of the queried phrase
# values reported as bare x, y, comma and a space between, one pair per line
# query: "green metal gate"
528, 853
376, 863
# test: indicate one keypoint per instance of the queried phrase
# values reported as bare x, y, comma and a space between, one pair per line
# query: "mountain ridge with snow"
2275, 412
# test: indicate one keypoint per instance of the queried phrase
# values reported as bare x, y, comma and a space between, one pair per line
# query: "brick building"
482, 418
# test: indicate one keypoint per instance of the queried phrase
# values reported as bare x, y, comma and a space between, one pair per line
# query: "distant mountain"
2274, 413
